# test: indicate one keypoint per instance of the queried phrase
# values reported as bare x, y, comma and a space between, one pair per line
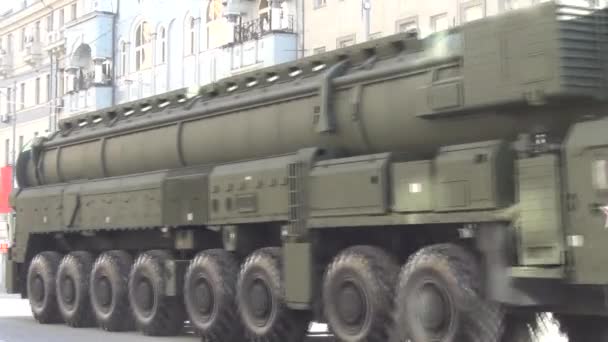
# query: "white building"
55, 60
163, 47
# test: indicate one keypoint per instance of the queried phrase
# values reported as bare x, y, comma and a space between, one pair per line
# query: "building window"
37, 91
9, 43
407, 25
191, 36
142, 46
22, 96
214, 24
48, 87
319, 3
123, 59
319, 50
9, 99
49, 23
74, 11
23, 38
440, 22
345, 41
472, 10
61, 17
7, 151
37, 31
163, 45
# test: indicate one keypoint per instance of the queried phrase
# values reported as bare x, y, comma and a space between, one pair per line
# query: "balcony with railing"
262, 26
6, 63
265, 41
32, 54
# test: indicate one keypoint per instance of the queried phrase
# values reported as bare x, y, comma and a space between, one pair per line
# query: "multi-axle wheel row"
436, 296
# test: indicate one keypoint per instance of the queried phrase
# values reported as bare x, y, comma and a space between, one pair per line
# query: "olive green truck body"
493, 136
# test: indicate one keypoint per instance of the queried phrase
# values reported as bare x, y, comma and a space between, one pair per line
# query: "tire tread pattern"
82, 316
121, 319
228, 327
49, 263
483, 320
290, 325
382, 270
169, 318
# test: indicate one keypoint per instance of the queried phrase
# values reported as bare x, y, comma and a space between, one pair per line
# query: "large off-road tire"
583, 328
210, 296
155, 313
439, 299
261, 300
358, 294
109, 291
41, 287
72, 287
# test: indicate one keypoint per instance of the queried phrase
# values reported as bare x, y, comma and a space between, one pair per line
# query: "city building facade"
55, 60
331, 24
161, 47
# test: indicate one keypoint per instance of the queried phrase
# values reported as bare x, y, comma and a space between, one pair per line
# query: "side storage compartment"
252, 191
474, 176
350, 186
185, 199
540, 226
412, 186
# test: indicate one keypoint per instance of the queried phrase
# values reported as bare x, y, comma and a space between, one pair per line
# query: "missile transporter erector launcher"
476, 158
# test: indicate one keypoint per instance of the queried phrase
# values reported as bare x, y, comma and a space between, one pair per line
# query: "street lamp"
366, 8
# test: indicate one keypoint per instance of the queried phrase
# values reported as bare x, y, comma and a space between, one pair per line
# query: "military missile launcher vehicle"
439, 189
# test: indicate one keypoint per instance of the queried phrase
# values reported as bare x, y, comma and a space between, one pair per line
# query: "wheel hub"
38, 288
203, 297
260, 300
104, 292
432, 308
350, 304
145, 295
68, 290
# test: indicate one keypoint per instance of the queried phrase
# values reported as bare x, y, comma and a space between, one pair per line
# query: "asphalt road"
17, 325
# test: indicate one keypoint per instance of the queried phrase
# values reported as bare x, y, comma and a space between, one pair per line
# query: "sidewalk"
4, 295
13, 306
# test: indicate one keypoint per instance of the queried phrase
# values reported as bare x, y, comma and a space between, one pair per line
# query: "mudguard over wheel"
358, 294
583, 328
155, 313
73, 289
41, 291
109, 291
439, 299
261, 300
210, 296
